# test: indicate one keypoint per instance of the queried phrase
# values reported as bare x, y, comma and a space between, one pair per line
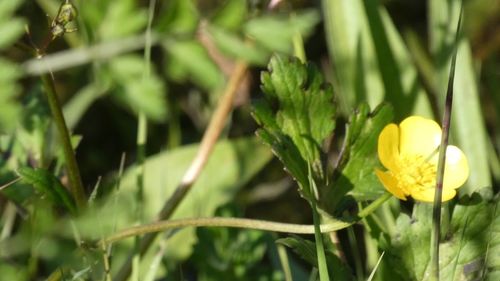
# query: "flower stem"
436, 212
76, 186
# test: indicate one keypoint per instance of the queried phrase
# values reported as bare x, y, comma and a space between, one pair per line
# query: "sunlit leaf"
355, 174
466, 248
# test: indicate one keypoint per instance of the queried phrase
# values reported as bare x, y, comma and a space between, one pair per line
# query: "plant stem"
436, 211
76, 186
244, 223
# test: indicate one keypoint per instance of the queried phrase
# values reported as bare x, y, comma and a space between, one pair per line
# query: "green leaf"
231, 16
122, 18
7, 8
10, 31
305, 105
189, 60
47, 184
232, 164
146, 94
467, 250
179, 17
276, 32
232, 45
355, 174
371, 61
229, 253
307, 251
468, 126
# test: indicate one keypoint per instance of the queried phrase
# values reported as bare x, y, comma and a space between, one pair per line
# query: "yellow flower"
410, 154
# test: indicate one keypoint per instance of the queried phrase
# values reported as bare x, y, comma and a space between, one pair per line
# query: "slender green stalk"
284, 262
243, 223
436, 212
320, 248
298, 44
142, 132
76, 185
358, 264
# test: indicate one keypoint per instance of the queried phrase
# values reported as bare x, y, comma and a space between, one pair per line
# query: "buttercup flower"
410, 154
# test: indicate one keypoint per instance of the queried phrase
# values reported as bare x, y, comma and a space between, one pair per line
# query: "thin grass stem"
76, 185
436, 212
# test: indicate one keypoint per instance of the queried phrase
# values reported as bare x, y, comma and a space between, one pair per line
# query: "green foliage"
371, 60
231, 16
466, 249
375, 76
11, 28
276, 33
121, 18
163, 173
48, 185
142, 93
190, 61
354, 174
256, 39
234, 46
179, 17
303, 120
307, 251
231, 254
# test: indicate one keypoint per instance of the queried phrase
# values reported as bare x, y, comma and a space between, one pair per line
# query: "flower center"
415, 173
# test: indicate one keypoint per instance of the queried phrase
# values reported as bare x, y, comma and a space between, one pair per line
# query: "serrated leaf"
307, 251
355, 174
47, 184
305, 104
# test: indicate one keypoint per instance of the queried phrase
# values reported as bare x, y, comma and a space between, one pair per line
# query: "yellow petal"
390, 183
456, 170
427, 195
419, 136
388, 146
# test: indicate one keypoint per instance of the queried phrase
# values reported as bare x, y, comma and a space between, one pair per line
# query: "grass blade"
436, 212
